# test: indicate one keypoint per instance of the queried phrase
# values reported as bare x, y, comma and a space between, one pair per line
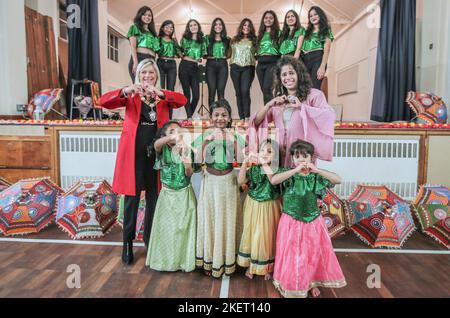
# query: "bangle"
123, 93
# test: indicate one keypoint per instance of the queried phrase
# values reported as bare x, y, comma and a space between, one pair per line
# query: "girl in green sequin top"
267, 52
143, 40
173, 235
262, 211
305, 258
315, 46
292, 30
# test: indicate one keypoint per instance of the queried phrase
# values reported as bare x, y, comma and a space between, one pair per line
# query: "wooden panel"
14, 175
31, 153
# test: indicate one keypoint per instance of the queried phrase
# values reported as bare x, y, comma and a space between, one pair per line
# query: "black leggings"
190, 81
312, 62
146, 177
242, 77
264, 71
141, 57
216, 78
168, 73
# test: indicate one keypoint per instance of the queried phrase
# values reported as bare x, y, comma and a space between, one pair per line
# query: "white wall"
13, 74
356, 45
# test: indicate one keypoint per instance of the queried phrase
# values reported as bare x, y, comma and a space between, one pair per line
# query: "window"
62, 6
113, 45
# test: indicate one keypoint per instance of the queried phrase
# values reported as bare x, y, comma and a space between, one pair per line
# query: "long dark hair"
163, 130
188, 34
324, 25
304, 83
286, 32
223, 36
221, 103
240, 34
138, 20
161, 29
274, 29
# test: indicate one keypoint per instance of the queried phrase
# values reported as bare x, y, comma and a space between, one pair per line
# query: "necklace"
151, 103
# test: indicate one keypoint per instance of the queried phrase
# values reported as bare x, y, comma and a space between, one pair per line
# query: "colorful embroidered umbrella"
46, 99
379, 217
88, 209
429, 108
140, 215
28, 206
4, 184
432, 208
333, 213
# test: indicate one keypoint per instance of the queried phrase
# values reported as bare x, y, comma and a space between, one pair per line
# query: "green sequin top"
267, 46
193, 49
173, 174
316, 42
289, 45
169, 49
300, 195
218, 49
260, 188
220, 154
145, 40
243, 53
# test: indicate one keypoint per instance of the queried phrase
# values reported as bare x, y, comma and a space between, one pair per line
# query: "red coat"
124, 174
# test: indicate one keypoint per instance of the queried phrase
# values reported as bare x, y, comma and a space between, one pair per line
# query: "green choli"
193, 49
300, 195
145, 40
243, 53
218, 49
316, 42
260, 188
173, 174
220, 154
289, 45
169, 49
267, 46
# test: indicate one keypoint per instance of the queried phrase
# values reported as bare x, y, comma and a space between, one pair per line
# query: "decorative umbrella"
140, 215
88, 209
333, 213
379, 217
46, 99
4, 184
432, 208
28, 206
429, 108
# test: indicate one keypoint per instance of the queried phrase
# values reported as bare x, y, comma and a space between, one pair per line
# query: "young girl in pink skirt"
305, 258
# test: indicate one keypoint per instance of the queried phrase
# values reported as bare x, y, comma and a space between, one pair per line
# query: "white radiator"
87, 155
393, 161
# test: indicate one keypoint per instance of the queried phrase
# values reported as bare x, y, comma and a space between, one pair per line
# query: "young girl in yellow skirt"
262, 210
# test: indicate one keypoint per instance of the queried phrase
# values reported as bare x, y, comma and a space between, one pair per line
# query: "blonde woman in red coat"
147, 110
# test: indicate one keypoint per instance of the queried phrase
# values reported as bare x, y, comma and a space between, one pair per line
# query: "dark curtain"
395, 72
84, 47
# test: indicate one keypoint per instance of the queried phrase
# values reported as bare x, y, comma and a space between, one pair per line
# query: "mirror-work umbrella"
432, 208
333, 213
429, 108
140, 215
28, 206
88, 209
379, 217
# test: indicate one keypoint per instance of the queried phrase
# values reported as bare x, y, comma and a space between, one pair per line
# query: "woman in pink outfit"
298, 112
304, 258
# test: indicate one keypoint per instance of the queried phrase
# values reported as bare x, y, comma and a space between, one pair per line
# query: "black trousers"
190, 81
146, 177
168, 73
141, 57
242, 77
312, 62
216, 78
264, 71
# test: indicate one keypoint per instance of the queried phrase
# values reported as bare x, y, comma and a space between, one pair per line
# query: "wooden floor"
39, 269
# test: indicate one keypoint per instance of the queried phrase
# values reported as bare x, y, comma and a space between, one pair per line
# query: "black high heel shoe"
127, 253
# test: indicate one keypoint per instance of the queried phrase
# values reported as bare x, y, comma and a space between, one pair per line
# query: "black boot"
127, 253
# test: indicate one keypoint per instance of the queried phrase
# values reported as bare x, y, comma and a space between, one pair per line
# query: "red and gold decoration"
88, 209
432, 209
379, 217
333, 213
28, 206
429, 108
